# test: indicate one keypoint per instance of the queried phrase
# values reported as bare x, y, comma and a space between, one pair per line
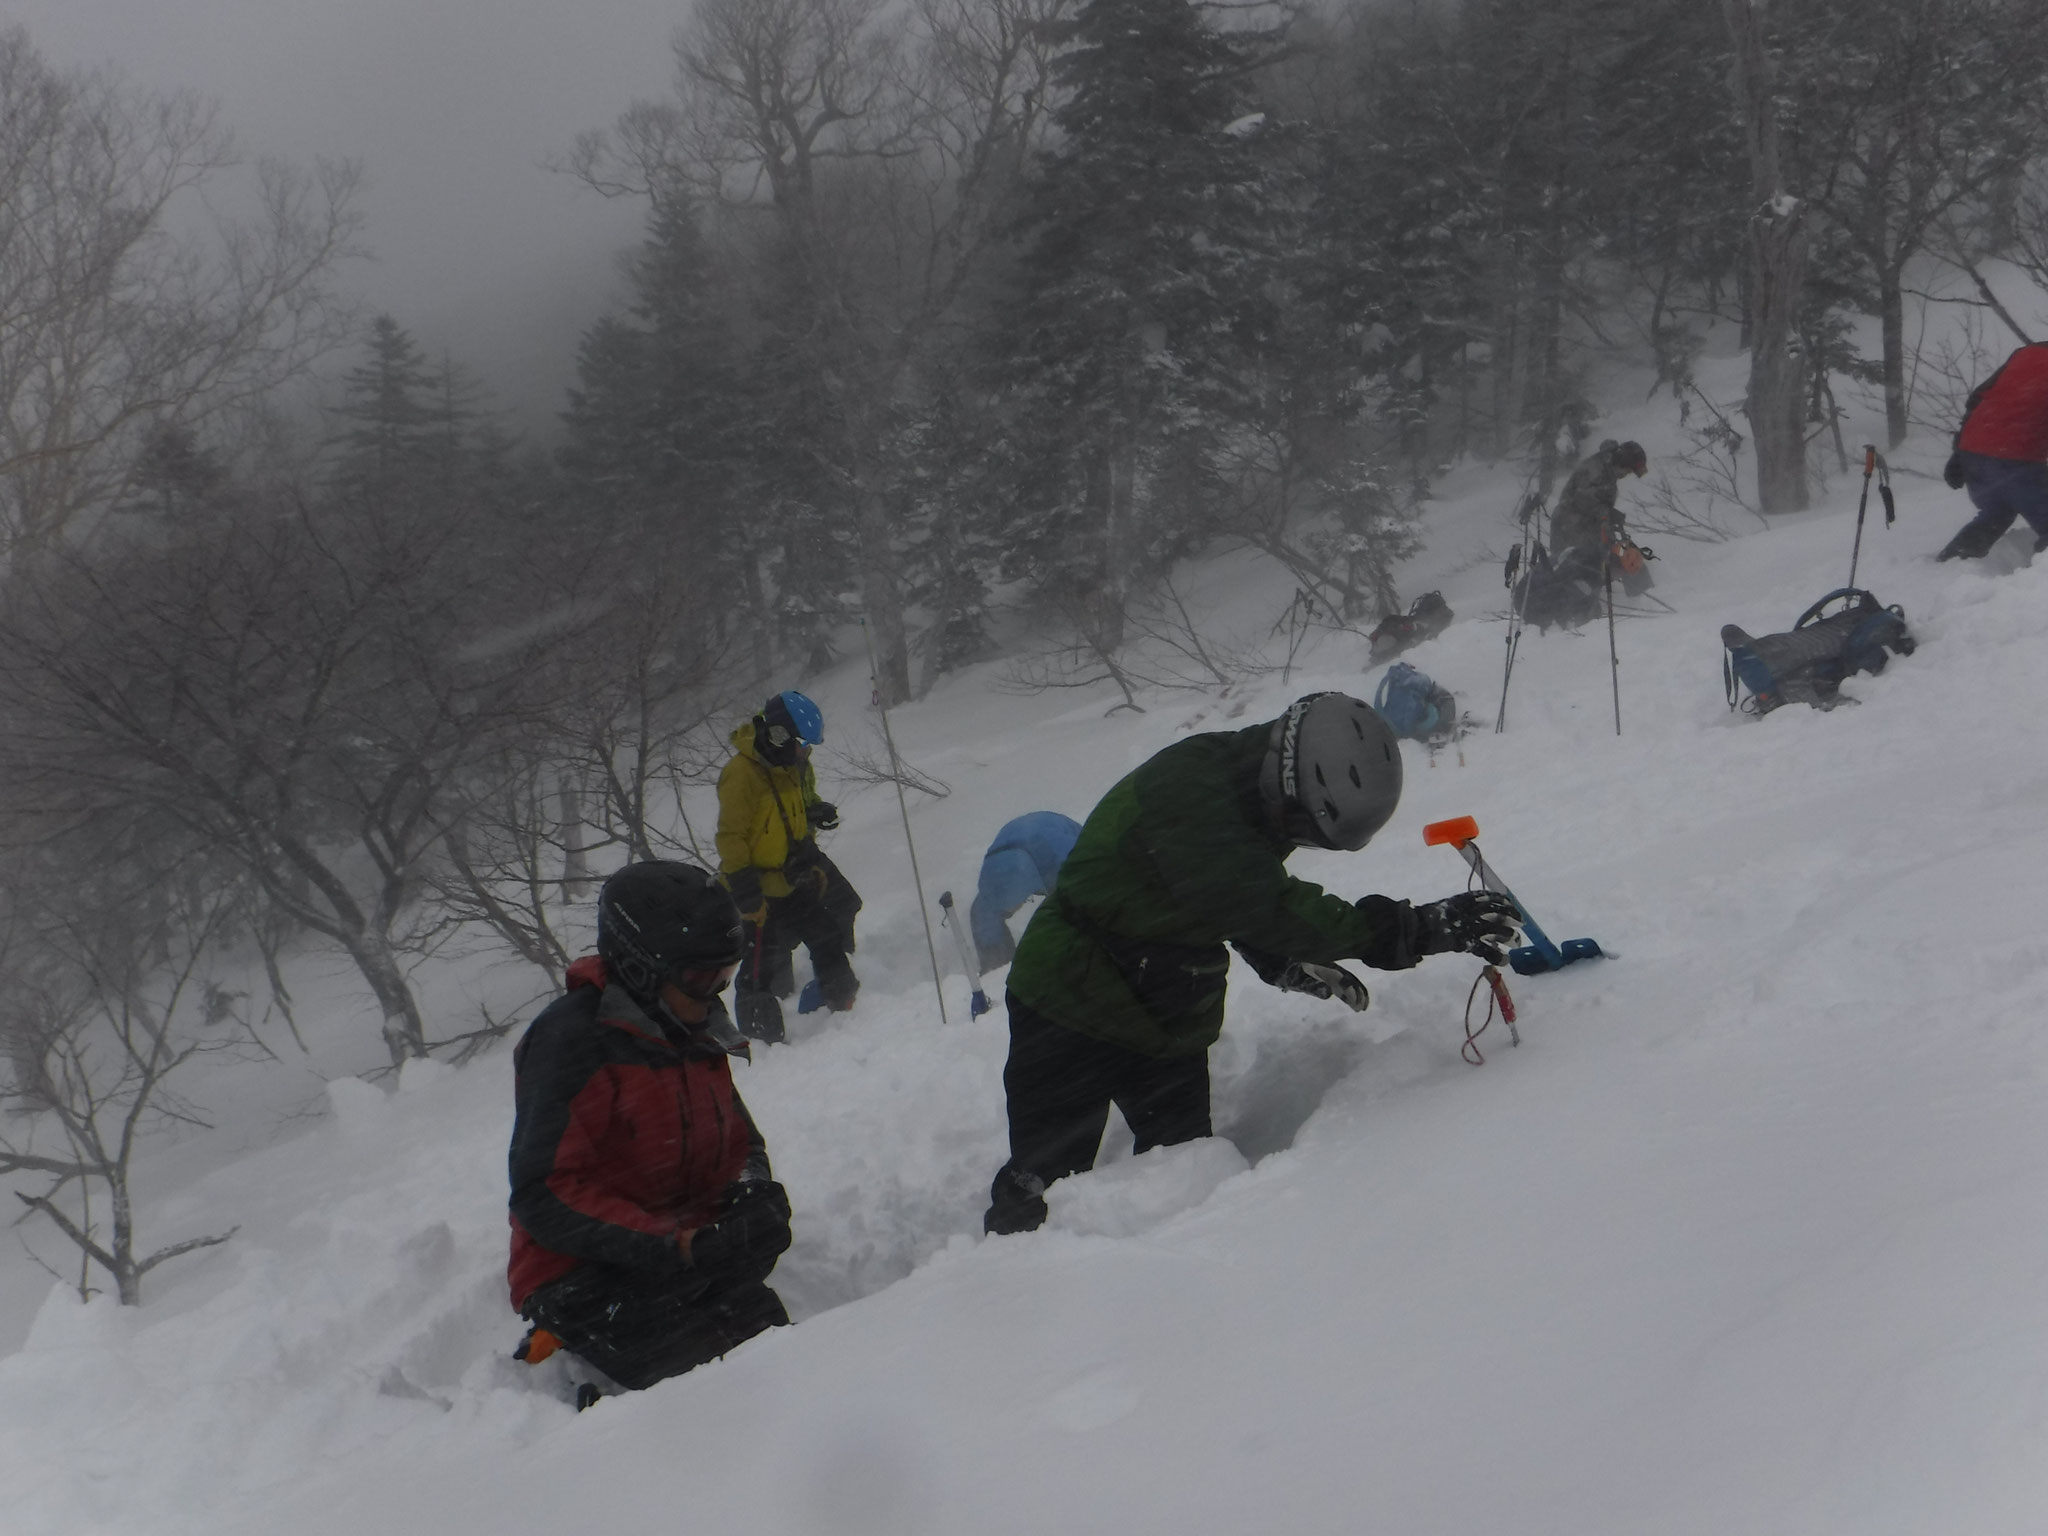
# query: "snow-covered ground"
1749, 1235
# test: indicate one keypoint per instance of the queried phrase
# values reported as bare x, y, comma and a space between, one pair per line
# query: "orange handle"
537, 1346
1869, 459
1458, 831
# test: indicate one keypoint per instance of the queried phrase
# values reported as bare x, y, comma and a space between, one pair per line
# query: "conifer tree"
1148, 288
389, 400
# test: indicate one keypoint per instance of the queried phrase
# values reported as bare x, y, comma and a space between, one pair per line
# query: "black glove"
1953, 475
823, 816
750, 1234
1325, 981
745, 885
1472, 922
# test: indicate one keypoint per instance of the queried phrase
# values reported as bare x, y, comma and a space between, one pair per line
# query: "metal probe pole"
931, 948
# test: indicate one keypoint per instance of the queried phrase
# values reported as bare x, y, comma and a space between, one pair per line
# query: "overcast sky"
451, 106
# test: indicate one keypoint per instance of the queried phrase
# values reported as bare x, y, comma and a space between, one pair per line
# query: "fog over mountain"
453, 107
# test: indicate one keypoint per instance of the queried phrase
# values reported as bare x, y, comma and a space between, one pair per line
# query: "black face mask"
715, 1032
776, 742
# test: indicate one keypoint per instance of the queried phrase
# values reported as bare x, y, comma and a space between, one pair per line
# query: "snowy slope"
1749, 1235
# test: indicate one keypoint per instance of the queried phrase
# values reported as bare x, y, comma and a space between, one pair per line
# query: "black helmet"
664, 920
1629, 456
1332, 771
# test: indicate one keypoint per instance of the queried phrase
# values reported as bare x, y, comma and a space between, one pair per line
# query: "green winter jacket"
1175, 862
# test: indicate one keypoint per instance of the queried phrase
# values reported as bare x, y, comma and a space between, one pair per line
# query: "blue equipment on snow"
1540, 954
1414, 705
1808, 663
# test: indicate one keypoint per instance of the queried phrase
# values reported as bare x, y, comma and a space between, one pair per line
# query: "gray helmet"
1332, 771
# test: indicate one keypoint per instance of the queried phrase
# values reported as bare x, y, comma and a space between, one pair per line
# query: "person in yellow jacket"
787, 891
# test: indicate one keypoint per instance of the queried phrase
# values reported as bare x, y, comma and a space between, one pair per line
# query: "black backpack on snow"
1807, 663
1427, 617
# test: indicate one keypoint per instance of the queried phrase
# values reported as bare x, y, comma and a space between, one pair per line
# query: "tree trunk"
1505, 339
1891, 308
881, 592
1777, 271
575, 844
405, 1033
127, 1278
1121, 492
1777, 368
1543, 401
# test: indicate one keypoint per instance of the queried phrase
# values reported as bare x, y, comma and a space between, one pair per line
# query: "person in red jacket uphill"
645, 1218
2002, 455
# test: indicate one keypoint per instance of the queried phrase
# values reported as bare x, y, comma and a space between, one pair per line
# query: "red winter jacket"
2008, 413
625, 1136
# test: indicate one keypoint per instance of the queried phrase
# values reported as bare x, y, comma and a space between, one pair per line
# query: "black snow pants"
1059, 1084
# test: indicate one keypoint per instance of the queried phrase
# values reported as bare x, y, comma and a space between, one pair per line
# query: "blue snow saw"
1539, 954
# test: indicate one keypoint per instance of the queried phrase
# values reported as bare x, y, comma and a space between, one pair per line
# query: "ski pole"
1862, 501
1520, 563
978, 1002
1613, 651
1873, 462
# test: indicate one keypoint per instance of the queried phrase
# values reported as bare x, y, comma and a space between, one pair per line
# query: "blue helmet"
803, 718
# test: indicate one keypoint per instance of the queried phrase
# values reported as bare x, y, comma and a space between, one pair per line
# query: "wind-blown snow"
1750, 1234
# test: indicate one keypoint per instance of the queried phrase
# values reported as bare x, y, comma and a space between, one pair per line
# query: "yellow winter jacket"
760, 809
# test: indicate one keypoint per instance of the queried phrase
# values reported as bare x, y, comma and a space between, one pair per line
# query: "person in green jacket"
1116, 993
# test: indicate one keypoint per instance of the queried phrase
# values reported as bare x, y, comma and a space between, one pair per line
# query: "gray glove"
1324, 981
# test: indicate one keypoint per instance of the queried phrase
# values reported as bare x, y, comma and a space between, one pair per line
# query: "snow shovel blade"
1534, 960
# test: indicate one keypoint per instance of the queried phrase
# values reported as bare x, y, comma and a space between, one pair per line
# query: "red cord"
1470, 1049
1497, 1001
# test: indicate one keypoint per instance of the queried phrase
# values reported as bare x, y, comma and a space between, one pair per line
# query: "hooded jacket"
1177, 860
1588, 504
2007, 416
763, 809
626, 1135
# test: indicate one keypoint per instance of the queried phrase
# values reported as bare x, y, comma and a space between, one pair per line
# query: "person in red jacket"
2002, 454
645, 1217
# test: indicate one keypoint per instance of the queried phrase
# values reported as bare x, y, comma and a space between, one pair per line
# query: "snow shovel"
1540, 954
978, 1003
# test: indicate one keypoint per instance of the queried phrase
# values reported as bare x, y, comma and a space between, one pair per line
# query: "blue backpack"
1413, 705
1807, 663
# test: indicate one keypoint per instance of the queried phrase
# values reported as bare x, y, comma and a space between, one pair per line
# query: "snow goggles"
704, 983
